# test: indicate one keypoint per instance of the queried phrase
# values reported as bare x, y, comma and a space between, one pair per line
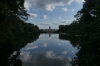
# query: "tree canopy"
14, 32
89, 44
12, 8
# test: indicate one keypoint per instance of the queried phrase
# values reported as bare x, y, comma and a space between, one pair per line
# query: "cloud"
50, 54
54, 24
72, 10
59, 44
24, 55
64, 52
45, 45
44, 17
61, 22
27, 5
69, 59
65, 22
59, 17
49, 5
47, 59
31, 46
45, 24
80, 1
65, 9
32, 15
72, 51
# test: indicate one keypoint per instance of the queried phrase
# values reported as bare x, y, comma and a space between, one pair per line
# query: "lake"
48, 50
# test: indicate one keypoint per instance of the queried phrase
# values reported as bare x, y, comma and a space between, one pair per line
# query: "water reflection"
44, 59
88, 54
49, 34
74, 39
44, 50
6, 50
48, 50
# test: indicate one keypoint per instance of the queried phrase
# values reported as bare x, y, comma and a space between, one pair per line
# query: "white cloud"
79, 1
41, 58
65, 9
65, 22
72, 51
61, 22
49, 5
31, 46
64, 52
72, 10
44, 17
59, 44
54, 24
24, 56
32, 15
45, 45
59, 17
69, 59
27, 5
45, 24
42, 27
50, 54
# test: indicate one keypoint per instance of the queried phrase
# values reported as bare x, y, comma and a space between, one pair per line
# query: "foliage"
72, 29
63, 28
10, 8
89, 20
87, 27
14, 32
72, 38
9, 47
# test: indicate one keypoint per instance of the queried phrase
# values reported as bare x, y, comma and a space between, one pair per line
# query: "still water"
48, 50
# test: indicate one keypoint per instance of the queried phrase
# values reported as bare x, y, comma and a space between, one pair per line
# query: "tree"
89, 44
89, 20
63, 28
12, 8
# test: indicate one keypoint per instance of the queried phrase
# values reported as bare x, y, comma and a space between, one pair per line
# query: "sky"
45, 13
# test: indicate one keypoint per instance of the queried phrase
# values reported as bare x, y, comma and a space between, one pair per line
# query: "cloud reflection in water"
44, 59
64, 52
30, 46
45, 44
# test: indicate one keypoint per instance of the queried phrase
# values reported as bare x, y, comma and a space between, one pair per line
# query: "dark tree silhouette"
12, 8
89, 20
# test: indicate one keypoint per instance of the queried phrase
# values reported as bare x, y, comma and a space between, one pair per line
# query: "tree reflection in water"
72, 38
88, 54
6, 50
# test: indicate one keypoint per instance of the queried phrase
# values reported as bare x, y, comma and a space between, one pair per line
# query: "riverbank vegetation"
89, 34
15, 33
12, 21
87, 26
72, 29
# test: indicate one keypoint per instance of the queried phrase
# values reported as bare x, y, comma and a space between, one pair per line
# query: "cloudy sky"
45, 13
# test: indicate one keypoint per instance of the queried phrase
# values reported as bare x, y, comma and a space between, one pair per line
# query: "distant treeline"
72, 29
13, 28
42, 31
